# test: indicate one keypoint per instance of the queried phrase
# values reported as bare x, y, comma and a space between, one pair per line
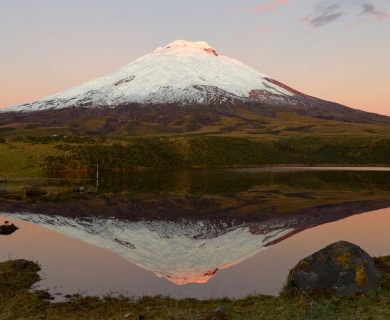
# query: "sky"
334, 50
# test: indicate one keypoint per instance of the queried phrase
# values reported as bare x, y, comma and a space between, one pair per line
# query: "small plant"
34, 192
3, 192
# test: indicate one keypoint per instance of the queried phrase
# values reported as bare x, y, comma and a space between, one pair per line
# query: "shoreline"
276, 168
17, 301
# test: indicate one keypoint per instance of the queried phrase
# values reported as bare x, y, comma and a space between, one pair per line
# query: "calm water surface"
240, 231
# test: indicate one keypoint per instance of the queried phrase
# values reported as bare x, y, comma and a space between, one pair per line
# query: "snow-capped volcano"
175, 84
181, 72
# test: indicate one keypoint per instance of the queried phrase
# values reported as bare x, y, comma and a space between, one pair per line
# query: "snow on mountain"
182, 72
182, 252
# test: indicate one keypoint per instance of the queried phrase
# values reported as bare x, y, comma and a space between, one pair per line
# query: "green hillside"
33, 156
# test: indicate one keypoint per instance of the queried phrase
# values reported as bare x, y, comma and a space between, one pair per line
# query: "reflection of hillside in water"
233, 181
228, 195
186, 225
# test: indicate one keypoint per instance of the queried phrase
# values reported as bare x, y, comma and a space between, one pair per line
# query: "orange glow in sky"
46, 46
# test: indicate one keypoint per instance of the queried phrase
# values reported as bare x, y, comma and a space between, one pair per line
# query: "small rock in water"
341, 268
92, 190
44, 295
7, 229
219, 313
78, 189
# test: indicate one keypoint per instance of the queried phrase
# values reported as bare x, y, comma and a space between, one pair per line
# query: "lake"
198, 233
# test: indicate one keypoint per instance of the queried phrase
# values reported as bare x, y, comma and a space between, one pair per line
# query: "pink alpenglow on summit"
180, 72
185, 73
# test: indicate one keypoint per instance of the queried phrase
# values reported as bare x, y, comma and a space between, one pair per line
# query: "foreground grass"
16, 302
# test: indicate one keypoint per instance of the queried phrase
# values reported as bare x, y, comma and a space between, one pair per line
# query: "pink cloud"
377, 15
263, 29
306, 18
271, 6
382, 16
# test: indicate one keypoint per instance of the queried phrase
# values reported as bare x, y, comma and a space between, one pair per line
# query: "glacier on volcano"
181, 72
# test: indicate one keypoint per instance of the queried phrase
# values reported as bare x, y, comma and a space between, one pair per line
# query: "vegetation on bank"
37, 156
17, 302
214, 151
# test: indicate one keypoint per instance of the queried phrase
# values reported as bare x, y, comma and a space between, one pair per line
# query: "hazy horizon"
334, 50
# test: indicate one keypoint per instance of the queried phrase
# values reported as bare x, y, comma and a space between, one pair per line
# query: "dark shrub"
3, 192
34, 192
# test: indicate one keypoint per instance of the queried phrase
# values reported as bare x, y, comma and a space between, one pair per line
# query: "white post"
97, 177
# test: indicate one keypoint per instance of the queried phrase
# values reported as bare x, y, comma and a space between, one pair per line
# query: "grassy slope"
32, 157
241, 139
239, 121
24, 159
18, 303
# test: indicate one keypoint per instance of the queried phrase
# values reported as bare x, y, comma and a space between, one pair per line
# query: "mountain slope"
181, 72
183, 82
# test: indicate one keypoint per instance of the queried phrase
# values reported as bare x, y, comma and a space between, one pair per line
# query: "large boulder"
341, 268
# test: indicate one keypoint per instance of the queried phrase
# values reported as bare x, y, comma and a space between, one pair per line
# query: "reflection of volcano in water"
192, 251
182, 252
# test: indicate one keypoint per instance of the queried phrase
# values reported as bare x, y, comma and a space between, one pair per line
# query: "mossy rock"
341, 268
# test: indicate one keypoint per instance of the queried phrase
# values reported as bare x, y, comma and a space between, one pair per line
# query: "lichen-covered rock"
341, 268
